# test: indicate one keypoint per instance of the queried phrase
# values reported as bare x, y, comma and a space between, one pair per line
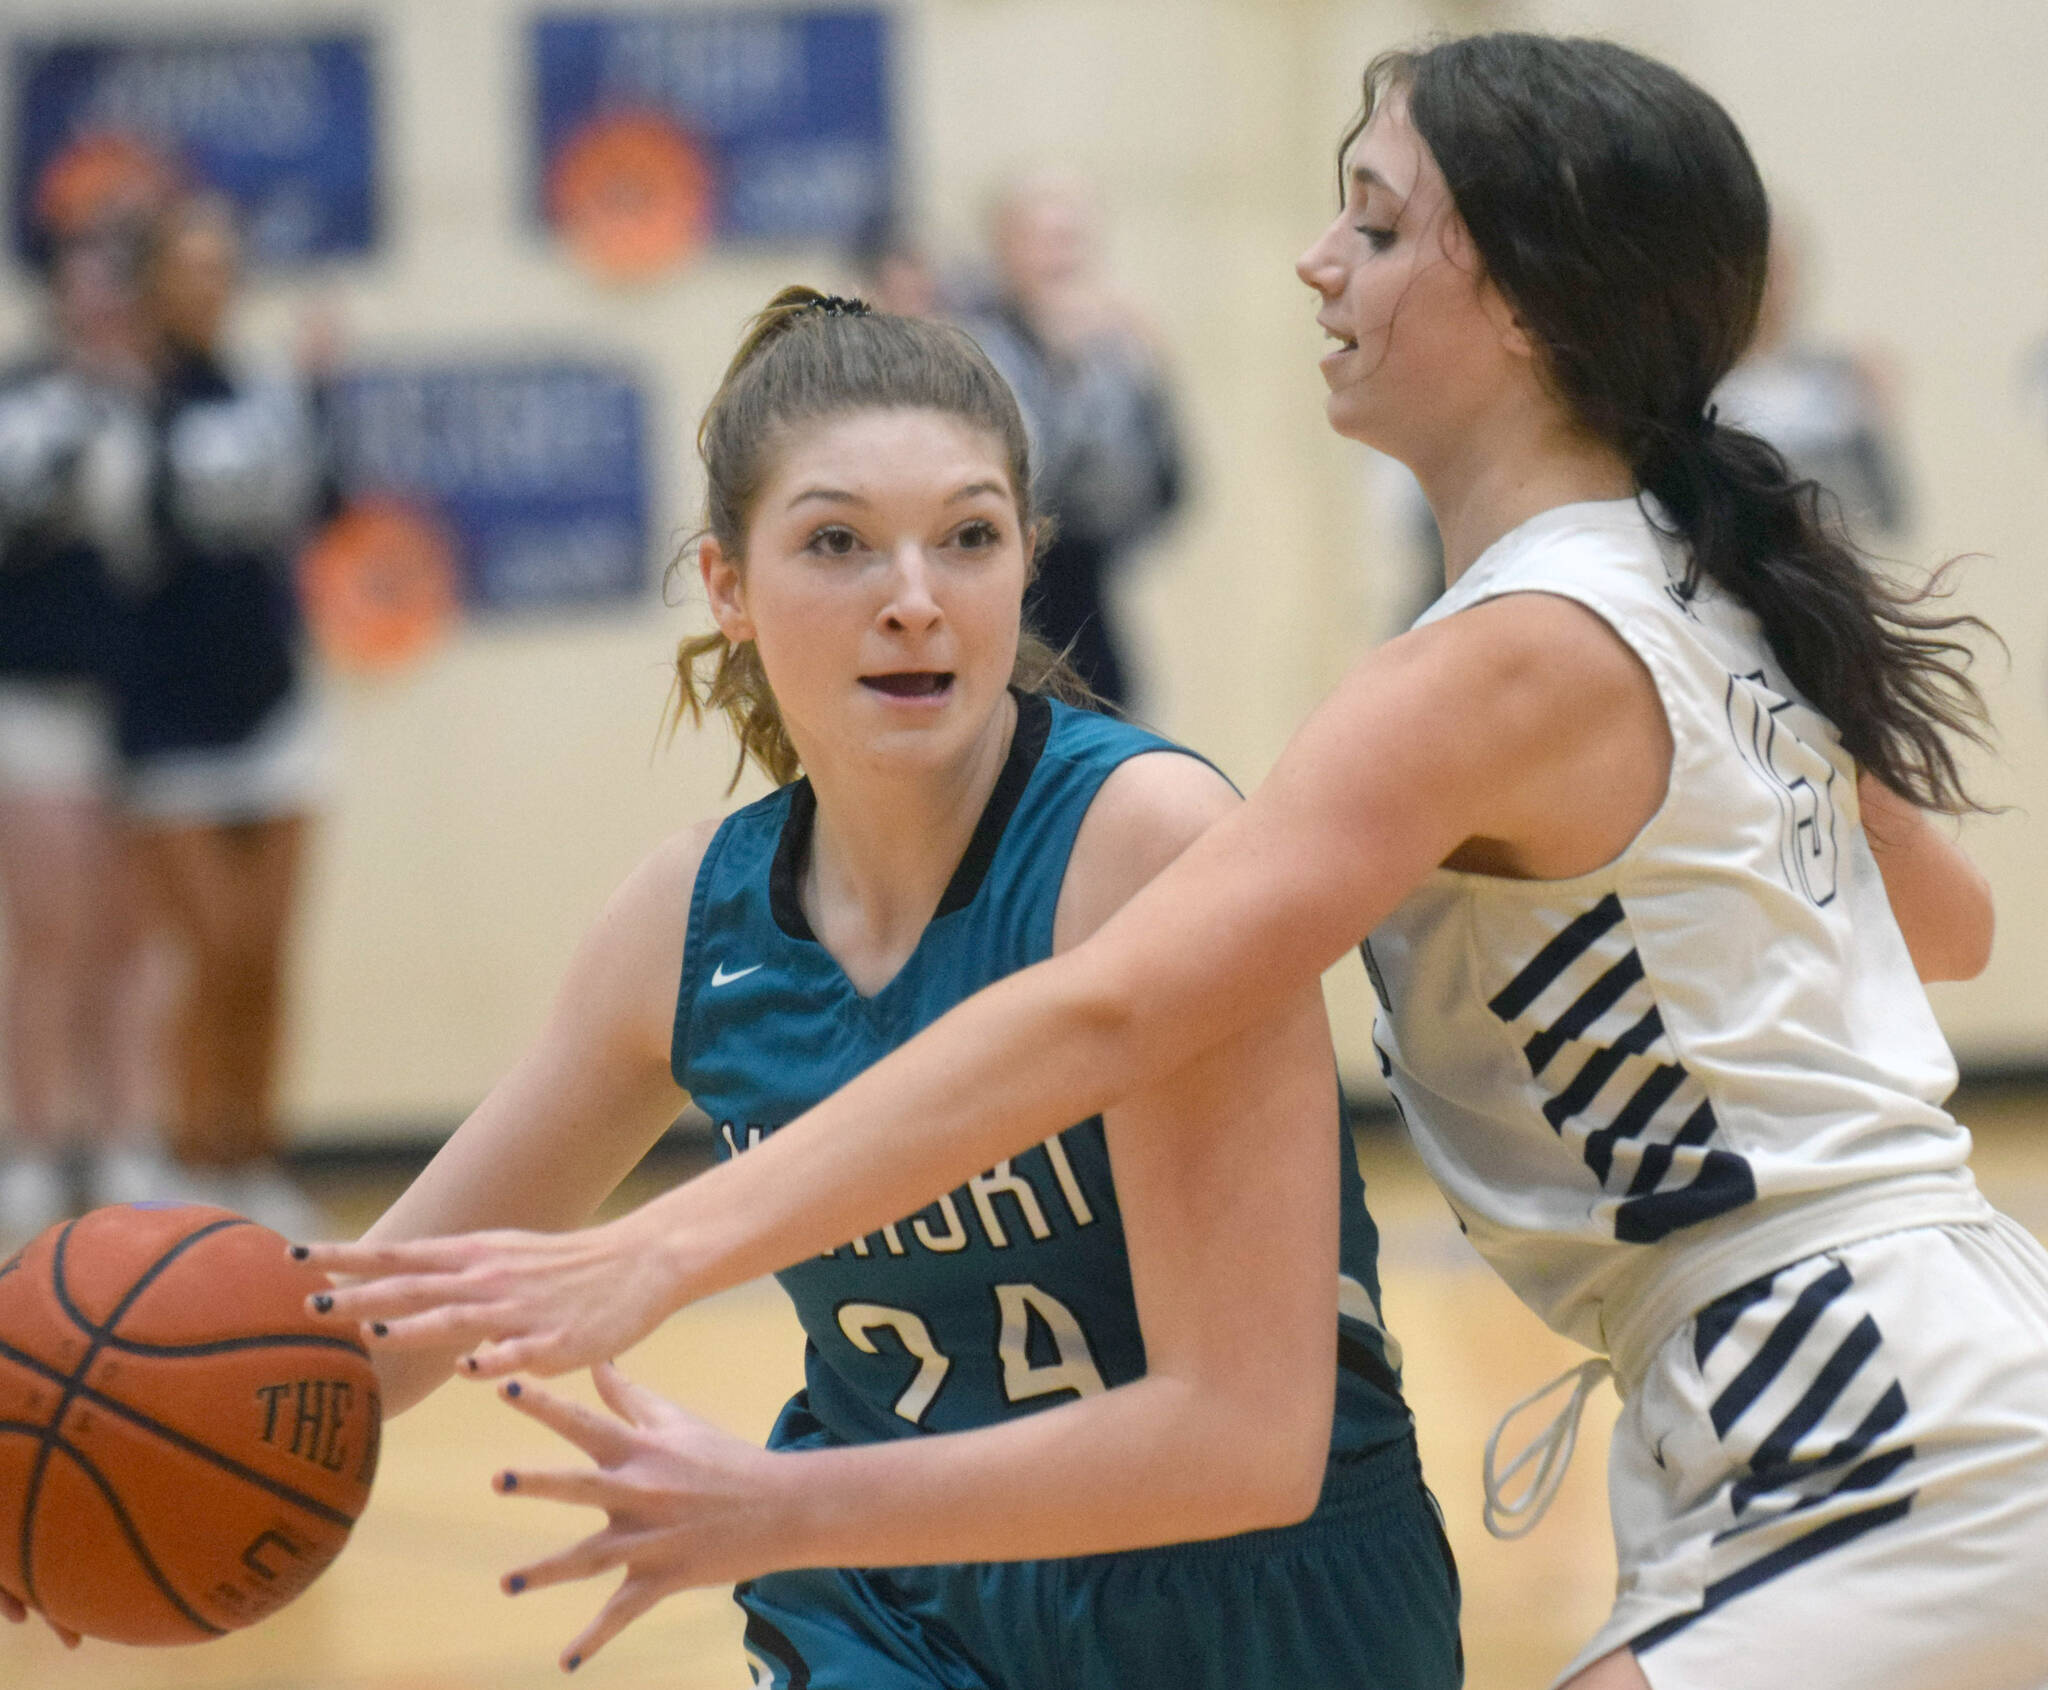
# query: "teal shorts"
1362, 1594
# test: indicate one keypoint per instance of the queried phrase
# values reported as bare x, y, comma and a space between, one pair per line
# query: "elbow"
1961, 948
1299, 1487
1294, 1495
1280, 1466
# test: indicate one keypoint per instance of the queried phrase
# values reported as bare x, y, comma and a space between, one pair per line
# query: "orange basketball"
182, 1447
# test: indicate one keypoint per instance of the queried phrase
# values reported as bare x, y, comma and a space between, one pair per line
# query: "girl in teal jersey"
1156, 1326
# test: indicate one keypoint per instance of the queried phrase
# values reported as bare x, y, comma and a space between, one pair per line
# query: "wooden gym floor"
413, 1603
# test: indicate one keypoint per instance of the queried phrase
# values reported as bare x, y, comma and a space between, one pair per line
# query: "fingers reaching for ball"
538, 1302
685, 1504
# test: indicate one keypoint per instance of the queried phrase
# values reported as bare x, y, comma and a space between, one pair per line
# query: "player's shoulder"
1149, 809
1537, 655
656, 894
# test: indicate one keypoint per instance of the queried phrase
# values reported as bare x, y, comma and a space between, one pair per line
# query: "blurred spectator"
892, 270
73, 494
1826, 408
1105, 451
225, 754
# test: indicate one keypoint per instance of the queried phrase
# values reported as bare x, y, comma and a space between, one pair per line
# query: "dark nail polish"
509, 1482
513, 1390
380, 1329
469, 1364
575, 1661
300, 1252
515, 1584
323, 1304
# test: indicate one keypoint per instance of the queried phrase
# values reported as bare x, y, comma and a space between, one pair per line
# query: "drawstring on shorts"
1551, 1451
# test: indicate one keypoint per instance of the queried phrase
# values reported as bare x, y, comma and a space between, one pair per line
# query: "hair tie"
832, 305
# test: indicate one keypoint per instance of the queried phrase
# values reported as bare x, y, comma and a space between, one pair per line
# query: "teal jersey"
1012, 1292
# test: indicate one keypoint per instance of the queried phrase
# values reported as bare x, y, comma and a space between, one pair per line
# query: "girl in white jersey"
1635, 820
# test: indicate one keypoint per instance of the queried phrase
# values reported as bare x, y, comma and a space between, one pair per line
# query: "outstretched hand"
18, 1611
685, 1504
539, 1302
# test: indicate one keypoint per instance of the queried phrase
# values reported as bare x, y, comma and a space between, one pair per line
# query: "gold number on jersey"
1073, 1370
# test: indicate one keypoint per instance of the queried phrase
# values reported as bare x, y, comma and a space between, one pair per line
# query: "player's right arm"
578, 1109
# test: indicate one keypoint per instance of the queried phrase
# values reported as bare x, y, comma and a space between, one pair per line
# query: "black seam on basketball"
32, 1495
134, 1537
35, 1364
149, 1275
226, 1346
227, 1463
170, 1434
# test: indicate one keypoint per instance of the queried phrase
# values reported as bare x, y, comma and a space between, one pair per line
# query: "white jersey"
1642, 1087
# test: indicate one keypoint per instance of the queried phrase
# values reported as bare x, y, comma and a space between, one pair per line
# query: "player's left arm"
1939, 897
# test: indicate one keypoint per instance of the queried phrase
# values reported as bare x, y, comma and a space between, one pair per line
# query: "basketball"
182, 1448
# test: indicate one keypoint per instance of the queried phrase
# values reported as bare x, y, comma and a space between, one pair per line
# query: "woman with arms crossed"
1186, 1287
1620, 816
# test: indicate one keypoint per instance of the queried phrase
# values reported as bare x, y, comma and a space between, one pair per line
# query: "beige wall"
490, 799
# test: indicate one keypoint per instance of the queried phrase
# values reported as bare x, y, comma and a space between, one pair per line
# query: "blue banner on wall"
537, 472
282, 124
785, 113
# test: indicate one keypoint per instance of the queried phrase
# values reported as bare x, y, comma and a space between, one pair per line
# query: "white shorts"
1838, 1476
282, 769
56, 739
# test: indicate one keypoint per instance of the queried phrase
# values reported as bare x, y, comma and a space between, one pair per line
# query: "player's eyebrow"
826, 495
839, 495
1363, 176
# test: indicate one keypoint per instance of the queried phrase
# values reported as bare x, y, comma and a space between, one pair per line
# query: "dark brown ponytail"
1618, 211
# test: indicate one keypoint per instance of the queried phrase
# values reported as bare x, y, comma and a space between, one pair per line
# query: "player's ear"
725, 587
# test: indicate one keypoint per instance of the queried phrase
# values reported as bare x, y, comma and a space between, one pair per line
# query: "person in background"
1827, 408
224, 753
1094, 396
73, 476
893, 269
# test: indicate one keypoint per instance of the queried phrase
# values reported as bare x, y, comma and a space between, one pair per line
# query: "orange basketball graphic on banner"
379, 584
100, 177
632, 195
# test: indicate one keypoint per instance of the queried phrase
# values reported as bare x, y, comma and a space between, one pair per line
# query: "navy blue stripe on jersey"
1724, 1182
1642, 1122
1555, 958
1632, 1117
1597, 1000
1820, 1358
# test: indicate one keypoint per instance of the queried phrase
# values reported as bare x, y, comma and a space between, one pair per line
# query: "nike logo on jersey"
719, 977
